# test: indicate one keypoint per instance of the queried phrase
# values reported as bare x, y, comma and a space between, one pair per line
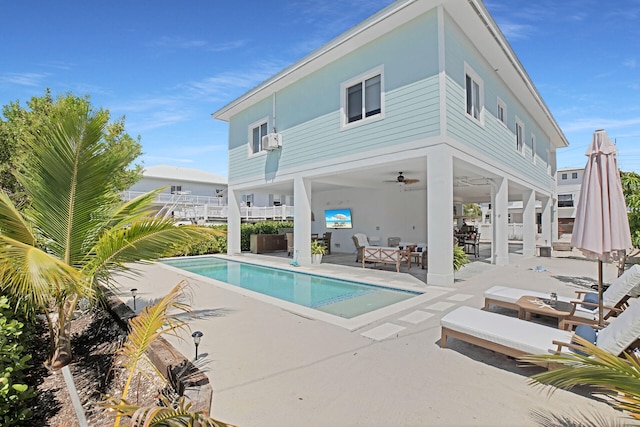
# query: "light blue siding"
308, 112
492, 138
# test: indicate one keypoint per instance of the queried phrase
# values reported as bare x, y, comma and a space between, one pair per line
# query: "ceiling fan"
400, 179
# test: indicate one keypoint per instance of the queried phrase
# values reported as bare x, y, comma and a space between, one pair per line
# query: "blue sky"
168, 65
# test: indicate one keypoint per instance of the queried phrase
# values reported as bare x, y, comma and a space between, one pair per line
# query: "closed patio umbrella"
601, 228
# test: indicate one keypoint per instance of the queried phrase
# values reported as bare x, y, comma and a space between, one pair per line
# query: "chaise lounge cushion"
622, 331
528, 337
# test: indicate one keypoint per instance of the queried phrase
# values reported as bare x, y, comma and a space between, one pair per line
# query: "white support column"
546, 221
302, 221
500, 206
233, 224
439, 217
554, 220
529, 223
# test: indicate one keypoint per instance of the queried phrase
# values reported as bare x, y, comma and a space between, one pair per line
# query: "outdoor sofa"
387, 255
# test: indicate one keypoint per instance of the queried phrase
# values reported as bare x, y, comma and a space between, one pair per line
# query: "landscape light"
197, 336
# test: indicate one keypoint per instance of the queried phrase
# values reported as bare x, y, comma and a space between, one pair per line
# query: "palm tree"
75, 229
154, 321
618, 378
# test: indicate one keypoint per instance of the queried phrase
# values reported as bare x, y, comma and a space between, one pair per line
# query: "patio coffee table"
528, 305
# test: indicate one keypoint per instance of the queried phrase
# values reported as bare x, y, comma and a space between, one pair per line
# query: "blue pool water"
339, 297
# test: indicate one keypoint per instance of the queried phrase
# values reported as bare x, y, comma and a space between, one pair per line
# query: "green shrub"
460, 258
264, 227
14, 393
218, 244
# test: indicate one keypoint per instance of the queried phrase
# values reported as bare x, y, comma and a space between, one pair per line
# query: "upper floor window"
519, 136
363, 97
473, 94
256, 132
574, 175
564, 176
502, 111
175, 189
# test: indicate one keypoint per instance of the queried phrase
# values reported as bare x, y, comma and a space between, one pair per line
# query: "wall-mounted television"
338, 218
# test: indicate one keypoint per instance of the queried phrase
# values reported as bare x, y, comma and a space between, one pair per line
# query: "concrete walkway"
270, 366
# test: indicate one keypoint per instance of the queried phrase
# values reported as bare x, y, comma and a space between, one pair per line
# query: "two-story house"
426, 90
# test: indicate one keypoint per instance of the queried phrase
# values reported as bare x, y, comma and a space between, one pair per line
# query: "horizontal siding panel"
411, 112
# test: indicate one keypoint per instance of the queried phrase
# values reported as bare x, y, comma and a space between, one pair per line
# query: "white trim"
477, 80
533, 148
503, 105
344, 124
519, 147
258, 123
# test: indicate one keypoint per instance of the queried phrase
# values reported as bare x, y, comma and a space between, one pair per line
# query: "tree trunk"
62, 353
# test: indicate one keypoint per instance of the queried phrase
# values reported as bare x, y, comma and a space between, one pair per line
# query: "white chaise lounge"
515, 337
614, 298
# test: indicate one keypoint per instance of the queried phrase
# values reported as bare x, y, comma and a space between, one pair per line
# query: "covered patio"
440, 179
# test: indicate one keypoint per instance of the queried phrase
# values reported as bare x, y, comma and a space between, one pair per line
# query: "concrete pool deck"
271, 367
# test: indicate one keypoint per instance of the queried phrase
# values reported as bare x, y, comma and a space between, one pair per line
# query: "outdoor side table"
528, 305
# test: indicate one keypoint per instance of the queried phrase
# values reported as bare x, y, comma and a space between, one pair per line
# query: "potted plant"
317, 250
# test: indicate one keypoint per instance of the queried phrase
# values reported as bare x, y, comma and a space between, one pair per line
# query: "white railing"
514, 231
182, 196
252, 213
190, 206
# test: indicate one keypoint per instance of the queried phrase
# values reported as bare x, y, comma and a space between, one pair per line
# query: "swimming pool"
343, 298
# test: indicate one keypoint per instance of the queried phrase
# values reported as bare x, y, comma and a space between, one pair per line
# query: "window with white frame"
533, 149
563, 176
519, 136
175, 189
256, 132
502, 111
473, 94
574, 175
363, 97
565, 200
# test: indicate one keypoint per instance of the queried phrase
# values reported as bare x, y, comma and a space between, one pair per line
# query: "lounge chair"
360, 241
614, 299
516, 338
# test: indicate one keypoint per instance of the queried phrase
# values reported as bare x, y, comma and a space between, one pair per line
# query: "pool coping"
426, 292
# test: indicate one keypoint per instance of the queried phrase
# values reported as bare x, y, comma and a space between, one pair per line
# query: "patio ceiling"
471, 184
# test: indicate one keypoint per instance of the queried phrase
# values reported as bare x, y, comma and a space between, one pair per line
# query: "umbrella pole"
600, 292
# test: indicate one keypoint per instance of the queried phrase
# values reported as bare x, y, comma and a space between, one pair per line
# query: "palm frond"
153, 322
34, 276
13, 224
616, 377
133, 210
146, 239
164, 414
68, 182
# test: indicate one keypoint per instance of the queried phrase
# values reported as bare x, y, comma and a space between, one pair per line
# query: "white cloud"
586, 123
180, 43
23, 79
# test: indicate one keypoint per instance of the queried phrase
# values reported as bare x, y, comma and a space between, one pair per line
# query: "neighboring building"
420, 107
180, 180
189, 194
569, 183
